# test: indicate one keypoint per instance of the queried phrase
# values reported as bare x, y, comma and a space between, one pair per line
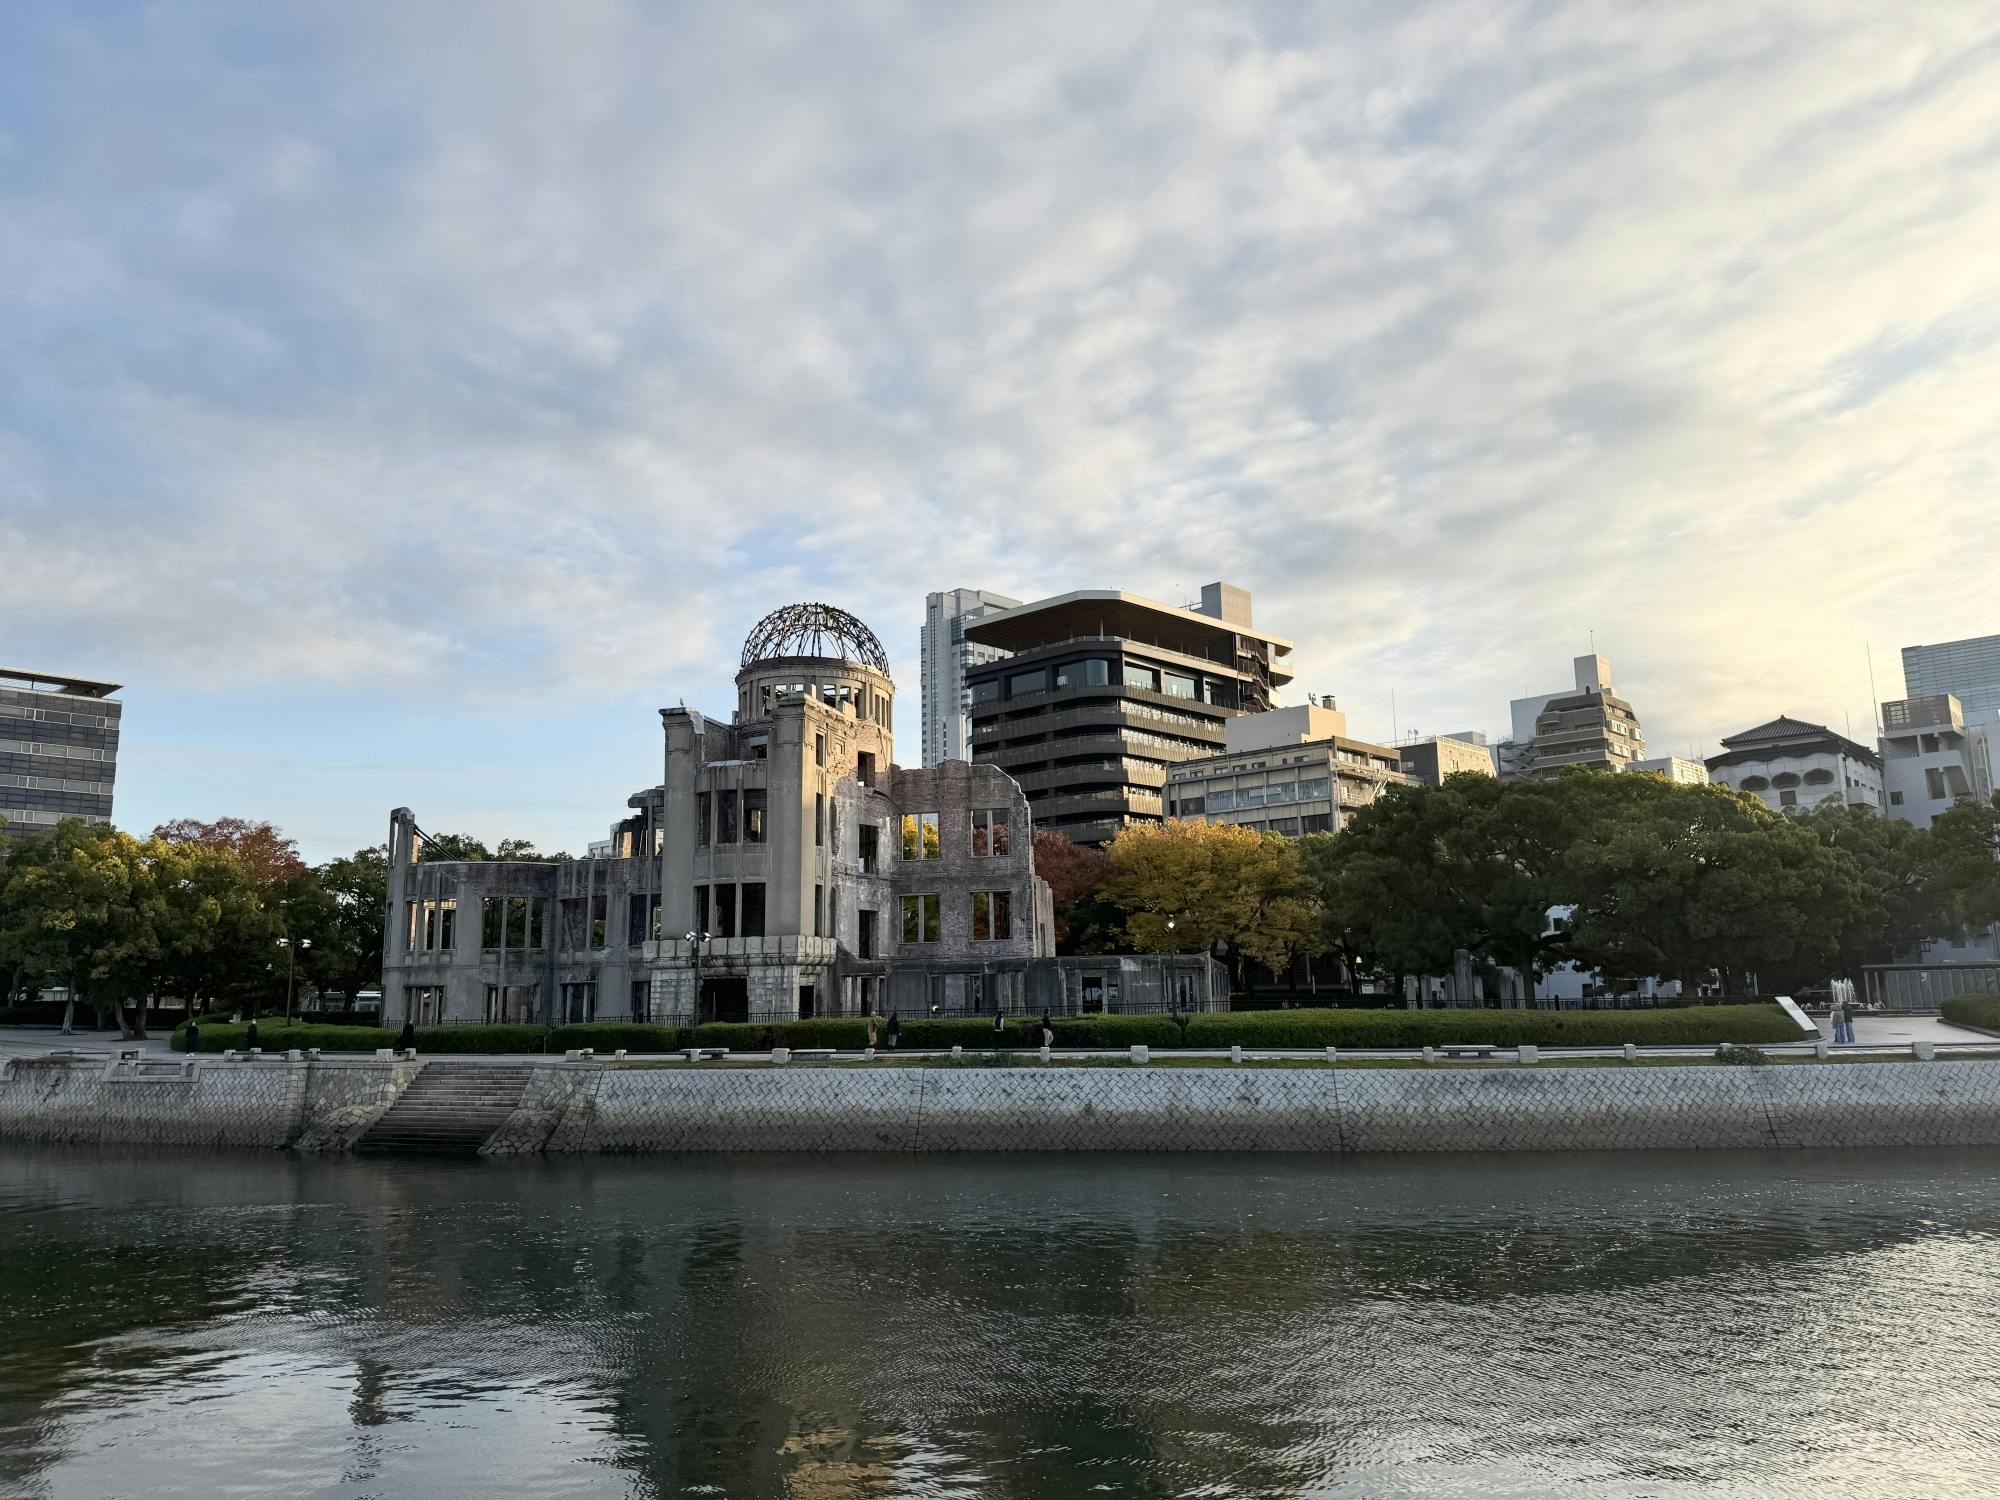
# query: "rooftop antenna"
1874, 703
1395, 729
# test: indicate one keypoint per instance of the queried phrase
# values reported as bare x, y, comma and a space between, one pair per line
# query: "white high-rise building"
1931, 760
946, 655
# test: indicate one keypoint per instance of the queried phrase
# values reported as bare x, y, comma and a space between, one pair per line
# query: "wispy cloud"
363, 346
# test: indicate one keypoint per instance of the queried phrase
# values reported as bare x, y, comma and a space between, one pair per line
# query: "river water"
1718, 1324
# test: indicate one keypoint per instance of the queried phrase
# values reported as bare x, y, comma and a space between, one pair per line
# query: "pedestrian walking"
999, 1026
408, 1039
193, 1035
894, 1029
1843, 1032
1048, 1029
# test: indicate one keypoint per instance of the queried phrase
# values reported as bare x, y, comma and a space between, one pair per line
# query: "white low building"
1788, 763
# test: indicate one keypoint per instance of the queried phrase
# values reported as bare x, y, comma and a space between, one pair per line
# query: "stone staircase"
449, 1107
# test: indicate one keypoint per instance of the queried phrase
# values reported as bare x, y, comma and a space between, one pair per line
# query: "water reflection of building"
783, 867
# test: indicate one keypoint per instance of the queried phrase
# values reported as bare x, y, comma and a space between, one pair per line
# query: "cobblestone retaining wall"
582, 1108
272, 1102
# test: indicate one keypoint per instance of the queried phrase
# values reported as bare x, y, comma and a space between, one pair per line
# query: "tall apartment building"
1969, 670
1102, 692
58, 750
1789, 763
946, 657
1290, 771
1590, 727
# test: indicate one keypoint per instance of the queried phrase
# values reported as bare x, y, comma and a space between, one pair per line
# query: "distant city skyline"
406, 413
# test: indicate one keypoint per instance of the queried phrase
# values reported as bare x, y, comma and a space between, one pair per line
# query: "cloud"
360, 346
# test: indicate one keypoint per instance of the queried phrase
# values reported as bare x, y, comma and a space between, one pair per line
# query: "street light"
292, 950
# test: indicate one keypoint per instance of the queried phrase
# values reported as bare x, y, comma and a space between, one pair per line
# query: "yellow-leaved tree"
1209, 887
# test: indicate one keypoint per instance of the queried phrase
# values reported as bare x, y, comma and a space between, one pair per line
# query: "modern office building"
1789, 763
945, 658
781, 868
1591, 727
1290, 770
58, 750
1429, 761
1969, 670
1102, 692
1675, 768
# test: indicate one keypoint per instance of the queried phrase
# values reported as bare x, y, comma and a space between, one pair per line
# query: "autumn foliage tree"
1086, 922
1191, 887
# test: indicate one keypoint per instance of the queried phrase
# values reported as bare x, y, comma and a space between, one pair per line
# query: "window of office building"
922, 918
1179, 685
819, 819
870, 841
753, 908
986, 692
819, 911
1141, 677
1092, 673
920, 836
700, 909
701, 819
992, 916
819, 749
725, 817
1020, 684
864, 934
755, 801
989, 832
725, 911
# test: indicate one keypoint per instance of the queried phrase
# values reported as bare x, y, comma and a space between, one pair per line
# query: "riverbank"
582, 1107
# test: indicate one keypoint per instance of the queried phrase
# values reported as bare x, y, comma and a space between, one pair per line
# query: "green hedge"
1982, 1011
609, 1036
276, 1036
488, 1039
1696, 1024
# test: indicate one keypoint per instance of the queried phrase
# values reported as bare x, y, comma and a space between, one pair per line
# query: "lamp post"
696, 941
292, 950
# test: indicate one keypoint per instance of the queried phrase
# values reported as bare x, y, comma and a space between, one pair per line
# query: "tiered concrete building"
1102, 693
1291, 771
58, 751
782, 868
1592, 727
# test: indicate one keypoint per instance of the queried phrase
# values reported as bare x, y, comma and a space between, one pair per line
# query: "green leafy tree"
1208, 887
1966, 864
1086, 920
1678, 881
1896, 860
345, 923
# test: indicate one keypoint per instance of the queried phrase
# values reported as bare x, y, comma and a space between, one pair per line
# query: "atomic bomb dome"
814, 631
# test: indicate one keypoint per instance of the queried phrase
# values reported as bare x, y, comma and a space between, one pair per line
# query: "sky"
406, 401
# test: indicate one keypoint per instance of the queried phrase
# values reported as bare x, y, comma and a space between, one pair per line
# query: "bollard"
382, 1054
1923, 1051
1139, 1053
1333, 1054
694, 1054
313, 1053
256, 1051
291, 1054
780, 1055
1527, 1054
1822, 1049
619, 1054
1235, 1054
1045, 1054
957, 1054
1430, 1056
867, 1054
1631, 1052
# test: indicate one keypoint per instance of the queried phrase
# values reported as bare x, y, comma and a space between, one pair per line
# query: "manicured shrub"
483, 1039
1982, 1011
609, 1036
1691, 1025
276, 1036
1741, 1056
1117, 1031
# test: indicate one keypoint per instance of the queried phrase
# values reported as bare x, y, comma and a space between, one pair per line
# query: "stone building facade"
782, 868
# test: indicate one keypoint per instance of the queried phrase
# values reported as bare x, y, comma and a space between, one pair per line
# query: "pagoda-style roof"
1784, 727
1785, 735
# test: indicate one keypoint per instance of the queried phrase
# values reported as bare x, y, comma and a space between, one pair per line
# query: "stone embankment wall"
569, 1107
581, 1108
316, 1105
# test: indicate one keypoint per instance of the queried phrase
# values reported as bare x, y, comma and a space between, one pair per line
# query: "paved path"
1900, 1031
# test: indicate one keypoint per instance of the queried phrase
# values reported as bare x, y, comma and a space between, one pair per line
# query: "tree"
346, 923
1086, 922
1676, 880
1966, 864
271, 856
1896, 861
1206, 887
